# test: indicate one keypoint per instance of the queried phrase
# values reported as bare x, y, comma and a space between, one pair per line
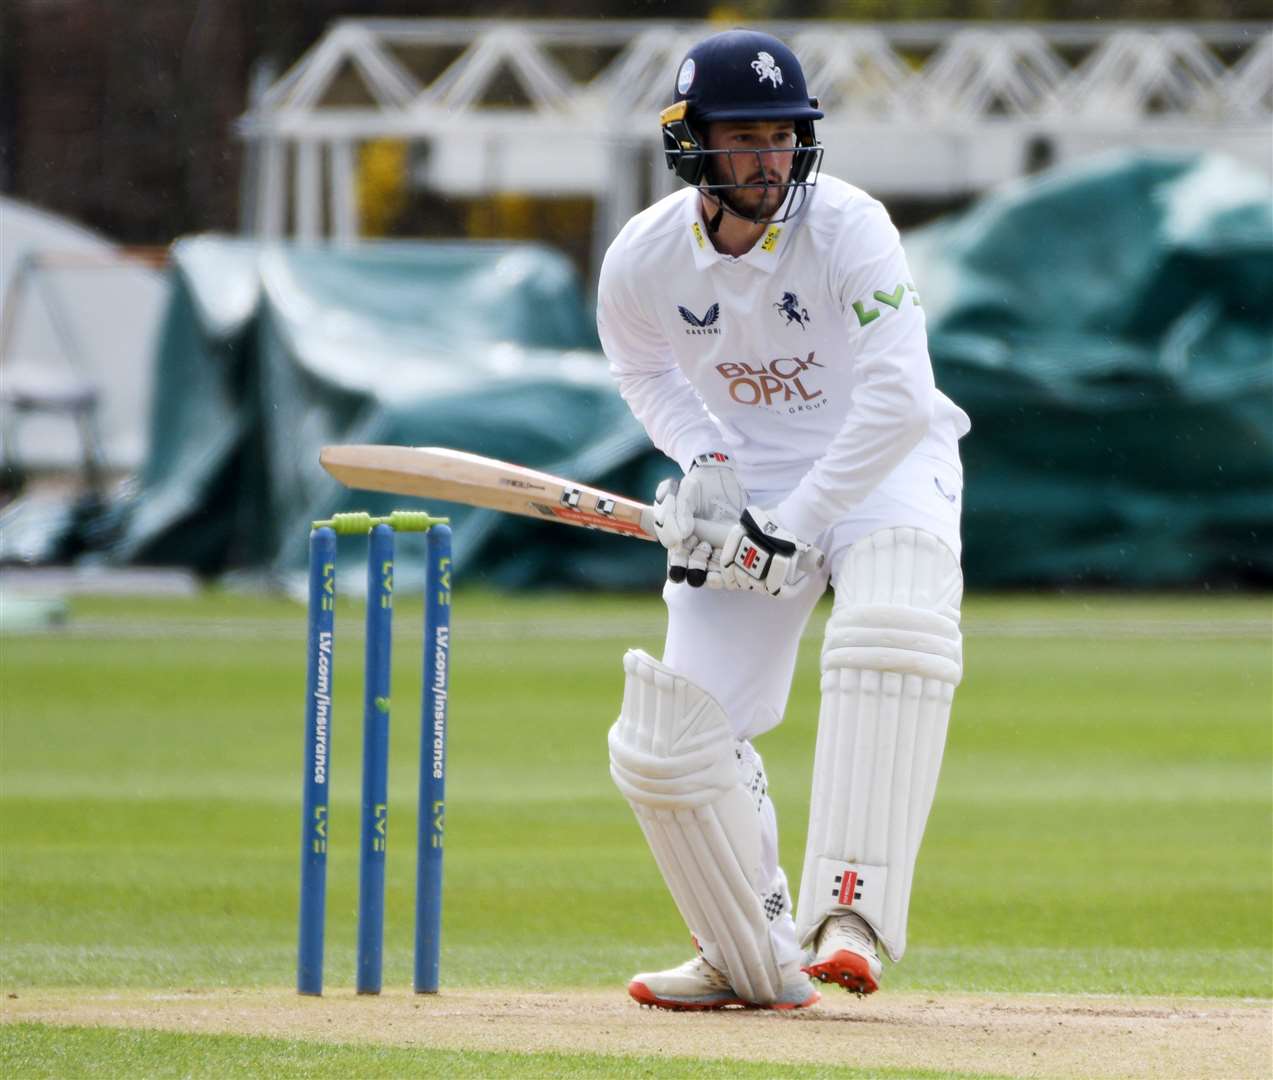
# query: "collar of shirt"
764, 252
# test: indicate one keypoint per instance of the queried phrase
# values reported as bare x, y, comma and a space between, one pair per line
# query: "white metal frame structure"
569, 107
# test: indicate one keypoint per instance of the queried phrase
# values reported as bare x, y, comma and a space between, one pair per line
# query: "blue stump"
318, 705
375, 761
437, 668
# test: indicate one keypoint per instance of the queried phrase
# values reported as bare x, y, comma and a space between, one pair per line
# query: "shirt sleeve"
645, 369
894, 396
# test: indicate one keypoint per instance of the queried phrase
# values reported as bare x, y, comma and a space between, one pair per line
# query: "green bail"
360, 522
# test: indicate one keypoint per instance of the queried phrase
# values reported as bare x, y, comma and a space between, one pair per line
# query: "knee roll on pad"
894, 638
891, 660
673, 756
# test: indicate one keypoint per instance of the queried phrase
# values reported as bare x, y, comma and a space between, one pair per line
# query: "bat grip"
715, 533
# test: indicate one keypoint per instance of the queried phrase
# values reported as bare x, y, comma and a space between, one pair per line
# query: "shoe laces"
849, 931
698, 968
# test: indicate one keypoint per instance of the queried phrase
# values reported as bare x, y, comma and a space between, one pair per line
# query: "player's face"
763, 151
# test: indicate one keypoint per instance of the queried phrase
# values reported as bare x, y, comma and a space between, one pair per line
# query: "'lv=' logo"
319, 841
893, 299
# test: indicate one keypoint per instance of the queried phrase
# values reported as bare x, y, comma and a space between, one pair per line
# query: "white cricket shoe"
697, 985
844, 952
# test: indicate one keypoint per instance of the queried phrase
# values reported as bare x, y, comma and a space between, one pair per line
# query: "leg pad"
675, 759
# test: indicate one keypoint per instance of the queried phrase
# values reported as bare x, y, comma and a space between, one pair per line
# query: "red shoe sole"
786, 1006
643, 995
848, 969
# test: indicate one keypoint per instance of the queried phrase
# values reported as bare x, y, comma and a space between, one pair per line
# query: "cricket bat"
434, 472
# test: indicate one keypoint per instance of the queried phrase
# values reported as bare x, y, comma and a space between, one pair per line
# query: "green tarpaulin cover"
1109, 329
270, 352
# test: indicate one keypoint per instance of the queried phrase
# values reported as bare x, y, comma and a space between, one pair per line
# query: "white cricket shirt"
806, 358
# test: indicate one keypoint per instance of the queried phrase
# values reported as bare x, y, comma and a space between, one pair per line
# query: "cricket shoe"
696, 985
844, 952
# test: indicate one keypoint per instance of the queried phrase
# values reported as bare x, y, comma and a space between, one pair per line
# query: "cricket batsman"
763, 326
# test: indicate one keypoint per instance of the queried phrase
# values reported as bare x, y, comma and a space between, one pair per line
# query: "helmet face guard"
741, 75
693, 162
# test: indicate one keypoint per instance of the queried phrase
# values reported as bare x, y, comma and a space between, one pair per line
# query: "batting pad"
672, 755
891, 660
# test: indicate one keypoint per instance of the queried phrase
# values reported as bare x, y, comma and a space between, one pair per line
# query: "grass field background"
1102, 824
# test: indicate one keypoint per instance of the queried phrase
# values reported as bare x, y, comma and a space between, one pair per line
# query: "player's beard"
754, 203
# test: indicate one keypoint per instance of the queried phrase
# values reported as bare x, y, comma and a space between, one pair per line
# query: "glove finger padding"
699, 567
696, 569
678, 563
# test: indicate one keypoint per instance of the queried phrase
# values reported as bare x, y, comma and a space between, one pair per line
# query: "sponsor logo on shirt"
893, 300
789, 306
705, 325
771, 238
780, 382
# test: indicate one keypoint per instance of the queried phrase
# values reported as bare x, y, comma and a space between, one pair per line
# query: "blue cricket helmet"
743, 75
738, 75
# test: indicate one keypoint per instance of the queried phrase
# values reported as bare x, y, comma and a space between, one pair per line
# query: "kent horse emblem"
790, 307
765, 68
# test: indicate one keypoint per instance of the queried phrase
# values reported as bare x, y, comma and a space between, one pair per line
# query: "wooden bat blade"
433, 472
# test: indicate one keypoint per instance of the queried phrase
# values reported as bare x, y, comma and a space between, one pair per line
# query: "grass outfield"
1102, 824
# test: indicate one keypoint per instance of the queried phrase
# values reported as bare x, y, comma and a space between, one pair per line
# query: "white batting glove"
710, 491
760, 555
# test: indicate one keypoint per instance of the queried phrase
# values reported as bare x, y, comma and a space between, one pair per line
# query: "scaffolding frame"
569, 107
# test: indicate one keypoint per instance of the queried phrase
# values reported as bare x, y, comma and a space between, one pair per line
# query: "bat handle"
715, 533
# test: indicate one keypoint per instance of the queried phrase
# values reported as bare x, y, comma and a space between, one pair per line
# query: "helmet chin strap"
714, 224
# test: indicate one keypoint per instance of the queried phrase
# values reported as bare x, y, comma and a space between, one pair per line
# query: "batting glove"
710, 491
759, 554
